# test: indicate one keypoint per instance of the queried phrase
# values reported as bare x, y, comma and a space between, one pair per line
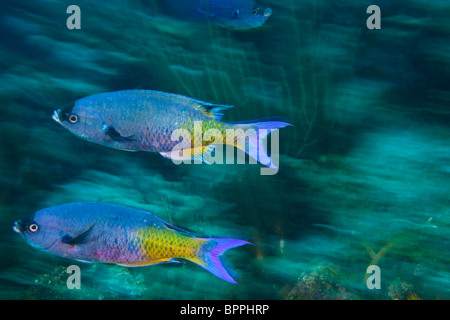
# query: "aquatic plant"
318, 284
400, 290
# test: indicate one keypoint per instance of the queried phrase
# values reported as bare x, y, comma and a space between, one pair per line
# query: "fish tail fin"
209, 257
257, 146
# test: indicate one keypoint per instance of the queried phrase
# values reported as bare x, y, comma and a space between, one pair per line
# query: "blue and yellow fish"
231, 14
109, 233
144, 120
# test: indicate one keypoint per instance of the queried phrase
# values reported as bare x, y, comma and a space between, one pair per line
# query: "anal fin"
197, 154
148, 262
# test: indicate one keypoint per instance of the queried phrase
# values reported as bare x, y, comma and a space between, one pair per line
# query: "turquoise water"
363, 176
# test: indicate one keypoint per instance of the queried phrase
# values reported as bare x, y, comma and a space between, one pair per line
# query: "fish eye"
255, 11
33, 228
73, 118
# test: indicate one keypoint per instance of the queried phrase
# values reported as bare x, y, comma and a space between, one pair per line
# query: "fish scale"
164, 244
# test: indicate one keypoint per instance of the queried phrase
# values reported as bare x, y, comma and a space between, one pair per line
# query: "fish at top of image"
235, 15
145, 120
115, 234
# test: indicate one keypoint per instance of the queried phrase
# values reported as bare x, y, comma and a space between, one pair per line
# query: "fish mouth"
268, 12
57, 116
18, 227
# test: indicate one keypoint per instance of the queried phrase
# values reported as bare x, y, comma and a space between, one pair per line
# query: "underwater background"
363, 176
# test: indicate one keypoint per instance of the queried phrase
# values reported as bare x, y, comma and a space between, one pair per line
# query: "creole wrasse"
144, 120
108, 233
235, 15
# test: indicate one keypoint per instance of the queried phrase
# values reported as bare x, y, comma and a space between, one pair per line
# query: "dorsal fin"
160, 223
173, 228
213, 110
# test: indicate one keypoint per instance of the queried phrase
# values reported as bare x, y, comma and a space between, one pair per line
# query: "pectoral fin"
79, 239
115, 135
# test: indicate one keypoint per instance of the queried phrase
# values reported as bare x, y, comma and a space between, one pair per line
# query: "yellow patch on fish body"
197, 133
157, 245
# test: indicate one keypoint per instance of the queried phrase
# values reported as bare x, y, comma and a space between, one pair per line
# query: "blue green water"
364, 172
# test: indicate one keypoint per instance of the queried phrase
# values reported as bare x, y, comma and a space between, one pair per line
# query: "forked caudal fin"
209, 258
256, 147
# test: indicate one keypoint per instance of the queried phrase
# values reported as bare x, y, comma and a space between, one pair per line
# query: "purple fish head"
54, 229
39, 230
93, 119
83, 120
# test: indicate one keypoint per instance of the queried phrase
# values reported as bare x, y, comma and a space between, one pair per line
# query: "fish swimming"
145, 120
230, 14
114, 234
